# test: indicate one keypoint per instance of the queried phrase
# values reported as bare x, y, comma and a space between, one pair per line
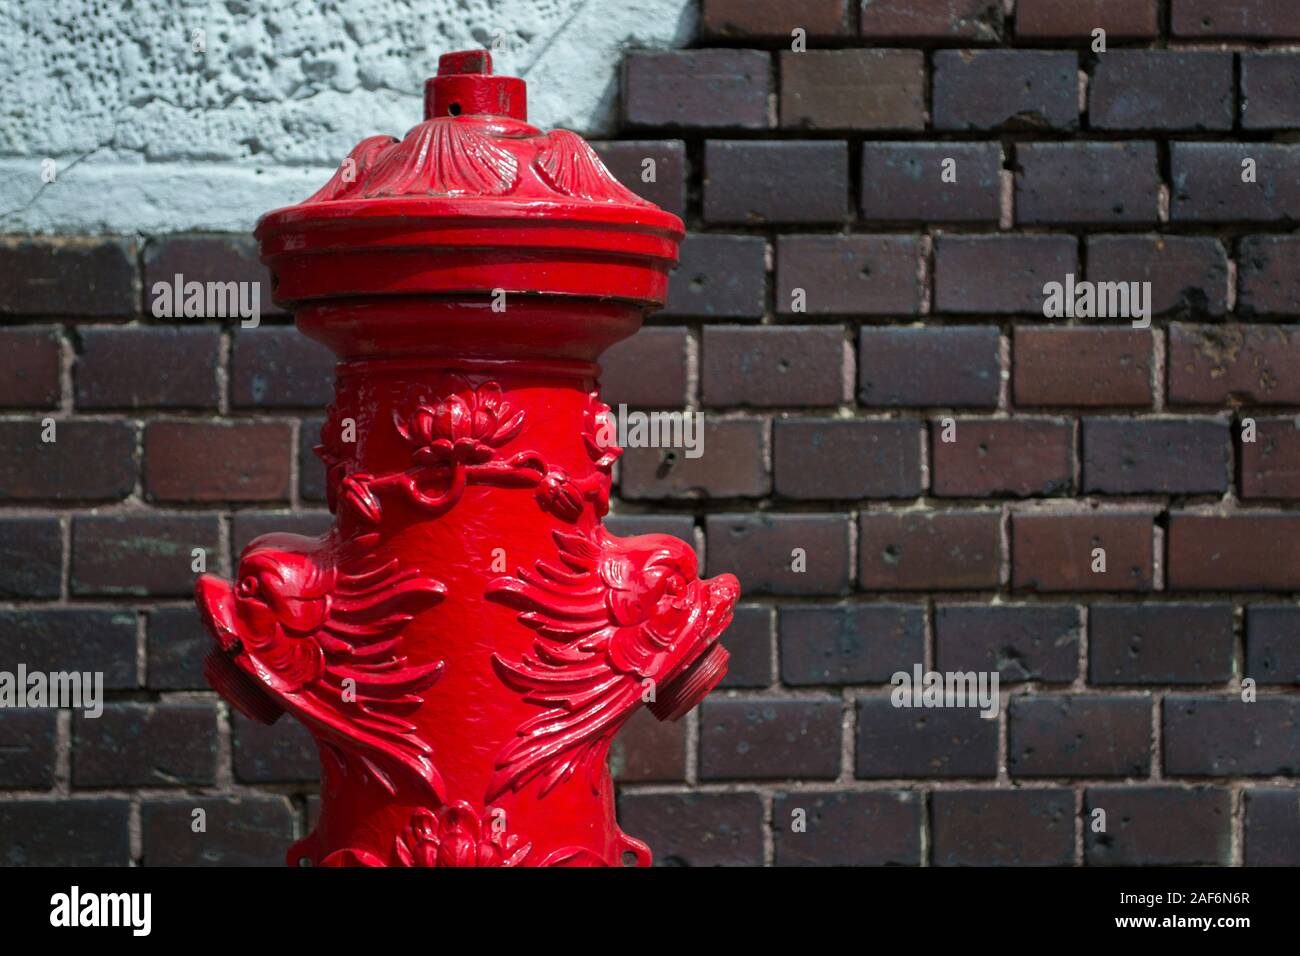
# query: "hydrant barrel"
467, 640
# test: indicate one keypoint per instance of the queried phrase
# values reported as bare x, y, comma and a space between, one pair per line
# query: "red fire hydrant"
467, 639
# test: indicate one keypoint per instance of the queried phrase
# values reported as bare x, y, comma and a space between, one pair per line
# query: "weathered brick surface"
662, 180
747, 182
730, 465
1159, 826
78, 278
898, 742
1062, 19
853, 89
1082, 366
718, 277
143, 367
1209, 736
1236, 19
31, 557
1272, 827
1270, 90
141, 554
1002, 457
56, 831
28, 739
749, 642
942, 551
72, 639
854, 644
238, 831
1003, 827
205, 461
1079, 736
956, 366
774, 19
848, 275
1224, 364
1087, 183
648, 370
34, 469
1006, 89
1270, 465
1133, 456
764, 550
1038, 642
1269, 276
1239, 552
273, 367
30, 362
847, 828
1209, 182
764, 739
649, 750
1160, 643
205, 258
176, 642
725, 89
1058, 552
1272, 646
1162, 89
1188, 274
906, 182
265, 754
981, 274
146, 745
770, 366
841, 458
926, 19
697, 829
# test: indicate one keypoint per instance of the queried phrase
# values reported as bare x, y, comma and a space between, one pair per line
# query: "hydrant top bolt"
465, 86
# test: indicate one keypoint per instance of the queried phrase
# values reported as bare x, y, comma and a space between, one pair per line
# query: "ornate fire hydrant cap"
472, 200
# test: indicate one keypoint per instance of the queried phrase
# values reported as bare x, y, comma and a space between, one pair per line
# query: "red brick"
1003, 827
75, 277
980, 274
1083, 366
1160, 643
87, 461
719, 277
1222, 364
895, 742
849, 275
1079, 736
1208, 187
1018, 457
1162, 89
730, 466
941, 19
1026, 642
849, 644
772, 366
1237, 19
1130, 456
626, 159
140, 553
1188, 274
209, 461
1226, 737
647, 370
1270, 90
939, 550
1159, 826
853, 90
147, 367
1270, 465
697, 829
1006, 89
848, 828
278, 367
774, 19
30, 367
1257, 551
1269, 275
1063, 19
846, 458
944, 366
171, 744
760, 550
725, 89
766, 739
1053, 552
903, 182
1087, 183
748, 181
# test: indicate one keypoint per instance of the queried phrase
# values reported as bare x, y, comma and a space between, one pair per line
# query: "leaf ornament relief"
568, 164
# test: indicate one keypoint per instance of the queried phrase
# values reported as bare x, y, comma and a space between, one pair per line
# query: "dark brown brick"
724, 89
76, 277
206, 258
978, 274
1064, 19
247, 525
772, 366
27, 748
767, 739
748, 181
649, 750
1237, 19
209, 461
696, 829
942, 19
774, 19
1027, 642
1021, 457
1160, 643
1207, 182
277, 367
30, 367
939, 742
1131, 456
1238, 552
748, 639
730, 465
1228, 737
1272, 827
311, 470
1270, 90
719, 277
850, 644
72, 639
848, 828
1053, 552
904, 182
947, 366
1003, 827
248, 830
177, 642
1229, 364
1006, 89
1085, 366
631, 525
849, 275
1087, 183
1162, 89
87, 461
140, 554
284, 752
846, 458
147, 367
760, 549
1159, 826
63, 832
31, 557
1079, 736
1188, 274
1270, 465
853, 89
1269, 275
146, 745
647, 370
1273, 643
941, 550
626, 159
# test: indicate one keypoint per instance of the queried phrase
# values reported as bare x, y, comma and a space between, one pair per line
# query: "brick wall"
922, 301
